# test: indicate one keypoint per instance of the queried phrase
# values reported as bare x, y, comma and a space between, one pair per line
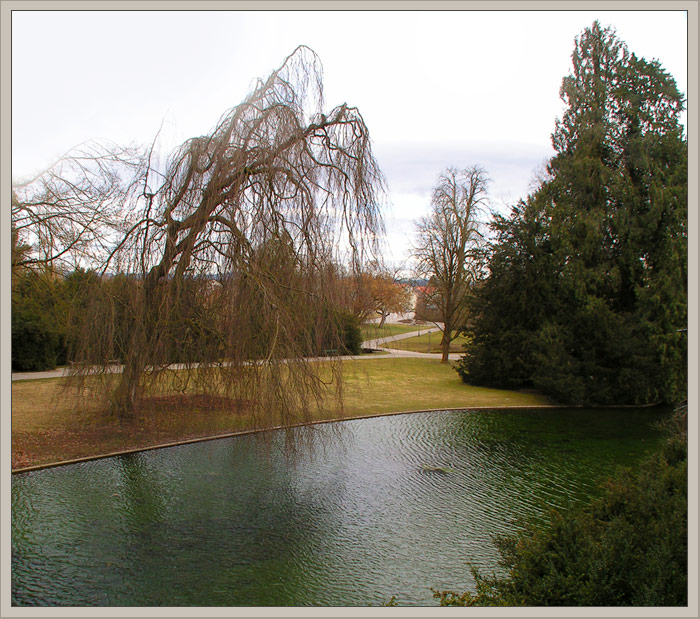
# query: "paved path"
35, 375
375, 344
396, 352
401, 336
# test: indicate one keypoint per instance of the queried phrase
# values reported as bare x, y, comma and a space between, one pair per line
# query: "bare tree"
447, 246
257, 209
71, 212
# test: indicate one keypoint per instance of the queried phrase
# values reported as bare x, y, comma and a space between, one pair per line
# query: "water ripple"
367, 509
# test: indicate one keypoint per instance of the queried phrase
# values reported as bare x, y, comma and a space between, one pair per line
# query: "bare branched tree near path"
447, 246
249, 214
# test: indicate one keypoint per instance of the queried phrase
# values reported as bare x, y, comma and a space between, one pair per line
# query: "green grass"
372, 331
385, 385
427, 343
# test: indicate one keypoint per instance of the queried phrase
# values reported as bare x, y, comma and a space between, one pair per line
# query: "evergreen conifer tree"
587, 294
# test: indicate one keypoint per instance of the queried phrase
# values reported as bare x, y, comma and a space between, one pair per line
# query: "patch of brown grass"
48, 425
194, 402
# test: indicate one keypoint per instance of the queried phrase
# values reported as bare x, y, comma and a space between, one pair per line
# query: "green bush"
352, 334
38, 331
627, 548
36, 345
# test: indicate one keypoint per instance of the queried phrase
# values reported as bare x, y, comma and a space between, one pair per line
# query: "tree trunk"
445, 345
126, 397
381, 322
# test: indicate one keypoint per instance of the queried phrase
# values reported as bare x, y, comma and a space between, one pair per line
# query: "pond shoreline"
214, 437
46, 430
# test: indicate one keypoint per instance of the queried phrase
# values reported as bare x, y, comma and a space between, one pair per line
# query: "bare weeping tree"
243, 221
447, 246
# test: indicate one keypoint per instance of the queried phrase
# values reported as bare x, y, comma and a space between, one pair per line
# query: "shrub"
36, 345
351, 332
38, 331
627, 548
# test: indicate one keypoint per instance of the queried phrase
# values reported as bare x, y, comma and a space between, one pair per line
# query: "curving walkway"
375, 344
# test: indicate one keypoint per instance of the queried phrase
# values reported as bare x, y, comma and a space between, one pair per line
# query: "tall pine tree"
587, 294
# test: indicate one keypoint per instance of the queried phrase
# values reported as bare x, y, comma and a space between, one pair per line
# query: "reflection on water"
367, 509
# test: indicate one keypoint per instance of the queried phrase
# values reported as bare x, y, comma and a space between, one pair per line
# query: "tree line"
50, 316
51, 311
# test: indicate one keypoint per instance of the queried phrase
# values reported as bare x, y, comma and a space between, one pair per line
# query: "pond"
341, 514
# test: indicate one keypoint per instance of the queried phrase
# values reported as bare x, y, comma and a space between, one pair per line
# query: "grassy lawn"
372, 331
48, 427
427, 343
406, 384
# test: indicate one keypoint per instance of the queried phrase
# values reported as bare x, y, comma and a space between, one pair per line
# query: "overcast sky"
435, 88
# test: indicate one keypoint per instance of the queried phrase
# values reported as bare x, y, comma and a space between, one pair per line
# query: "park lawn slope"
427, 343
372, 331
396, 384
47, 426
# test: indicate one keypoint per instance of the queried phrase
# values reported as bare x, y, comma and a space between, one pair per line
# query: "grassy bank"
427, 343
372, 331
48, 427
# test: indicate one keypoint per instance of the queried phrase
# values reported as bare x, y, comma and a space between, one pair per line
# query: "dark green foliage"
48, 315
38, 331
89, 295
191, 333
36, 343
331, 332
51, 316
627, 548
511, 304
586, 297
351, 333
79, 289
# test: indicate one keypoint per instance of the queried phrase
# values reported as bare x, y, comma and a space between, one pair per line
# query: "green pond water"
341, 514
